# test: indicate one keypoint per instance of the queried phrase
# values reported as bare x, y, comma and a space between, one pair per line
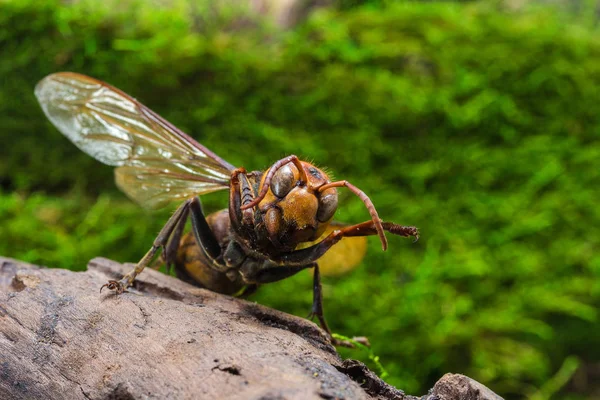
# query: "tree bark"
60, 338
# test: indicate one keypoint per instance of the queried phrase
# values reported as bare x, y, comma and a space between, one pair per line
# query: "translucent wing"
344, 256
157, 163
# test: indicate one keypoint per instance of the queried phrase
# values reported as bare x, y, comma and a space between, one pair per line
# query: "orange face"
295, 210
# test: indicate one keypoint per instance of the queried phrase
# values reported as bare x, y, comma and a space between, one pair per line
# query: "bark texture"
60, 338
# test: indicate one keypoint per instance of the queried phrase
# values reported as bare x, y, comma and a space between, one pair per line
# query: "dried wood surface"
60, 338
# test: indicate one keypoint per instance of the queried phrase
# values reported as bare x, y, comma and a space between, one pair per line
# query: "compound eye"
327, 205
283, 181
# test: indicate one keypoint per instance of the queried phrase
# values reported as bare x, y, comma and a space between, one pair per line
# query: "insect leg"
259, 272
169, 253
317, 311
367, 228
317, 306
235, 198
160, 241
205, 237
240, 194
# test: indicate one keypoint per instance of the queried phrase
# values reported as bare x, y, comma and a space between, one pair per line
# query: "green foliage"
479, 126
66, 231
379, 368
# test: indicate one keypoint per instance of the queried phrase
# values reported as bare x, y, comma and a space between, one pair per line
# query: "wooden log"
60, 338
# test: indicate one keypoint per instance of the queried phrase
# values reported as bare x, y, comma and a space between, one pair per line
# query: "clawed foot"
118, 286
415, 234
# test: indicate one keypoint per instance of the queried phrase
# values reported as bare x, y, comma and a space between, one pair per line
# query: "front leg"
367, 228
241, 193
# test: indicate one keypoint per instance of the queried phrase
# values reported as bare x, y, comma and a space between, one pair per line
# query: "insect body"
278, 222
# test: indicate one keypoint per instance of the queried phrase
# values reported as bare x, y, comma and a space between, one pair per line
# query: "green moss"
479, 126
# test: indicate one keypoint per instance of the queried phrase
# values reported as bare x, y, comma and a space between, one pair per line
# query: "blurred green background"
477, 122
